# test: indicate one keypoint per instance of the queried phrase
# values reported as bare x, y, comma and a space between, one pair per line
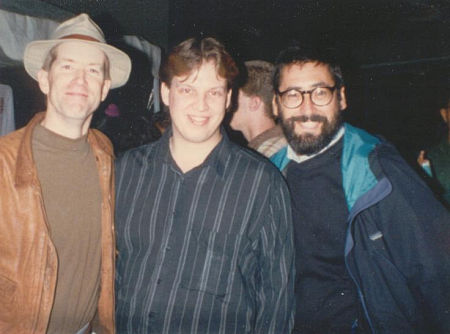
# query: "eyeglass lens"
320, 96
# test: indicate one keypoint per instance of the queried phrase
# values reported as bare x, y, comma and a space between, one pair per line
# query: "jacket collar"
357, 176
26, 172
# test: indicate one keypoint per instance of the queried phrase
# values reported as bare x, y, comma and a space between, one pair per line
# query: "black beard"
308, 144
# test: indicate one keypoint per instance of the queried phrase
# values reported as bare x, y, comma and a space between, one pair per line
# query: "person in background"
7, 123
436, 161
126, 130
253, 116
57, 193
204, 230
372, 242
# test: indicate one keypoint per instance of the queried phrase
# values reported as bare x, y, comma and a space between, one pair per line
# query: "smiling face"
75, 85
309, 128
197, 104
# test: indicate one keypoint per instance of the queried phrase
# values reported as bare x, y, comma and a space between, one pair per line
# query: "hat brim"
120, 63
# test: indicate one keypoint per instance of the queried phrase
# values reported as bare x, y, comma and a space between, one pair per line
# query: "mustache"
305, 118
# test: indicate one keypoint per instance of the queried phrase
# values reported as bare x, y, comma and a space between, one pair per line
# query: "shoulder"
101, 141
9, 144
409, 191
100, 136
252, 163
386, 160
140, 154
253, 158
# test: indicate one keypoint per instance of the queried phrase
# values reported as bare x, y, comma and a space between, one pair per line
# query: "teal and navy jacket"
397, 247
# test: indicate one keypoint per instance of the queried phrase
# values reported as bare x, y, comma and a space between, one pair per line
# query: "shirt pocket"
209, 267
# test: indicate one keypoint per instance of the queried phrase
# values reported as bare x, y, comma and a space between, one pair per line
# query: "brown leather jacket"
28, 260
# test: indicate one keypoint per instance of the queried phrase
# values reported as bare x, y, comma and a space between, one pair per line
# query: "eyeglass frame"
302, 92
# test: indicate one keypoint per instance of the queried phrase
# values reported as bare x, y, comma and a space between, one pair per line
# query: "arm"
275, 297
418, 234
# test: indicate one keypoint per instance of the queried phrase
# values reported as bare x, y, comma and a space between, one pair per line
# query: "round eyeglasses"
293, 98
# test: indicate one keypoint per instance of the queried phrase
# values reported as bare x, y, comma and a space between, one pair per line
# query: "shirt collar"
301, 158
217, 159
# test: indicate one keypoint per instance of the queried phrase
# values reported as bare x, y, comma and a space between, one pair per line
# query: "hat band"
83, 37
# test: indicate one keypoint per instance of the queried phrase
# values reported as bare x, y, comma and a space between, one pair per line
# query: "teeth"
198, 119
309, 124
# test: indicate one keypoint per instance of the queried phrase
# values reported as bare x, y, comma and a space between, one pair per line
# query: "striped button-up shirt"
207, 251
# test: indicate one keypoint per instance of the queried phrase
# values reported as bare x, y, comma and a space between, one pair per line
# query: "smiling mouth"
198, 120
75, 94
309, 125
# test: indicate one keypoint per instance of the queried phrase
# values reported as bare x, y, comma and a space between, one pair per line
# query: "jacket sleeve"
275, 285
417, 231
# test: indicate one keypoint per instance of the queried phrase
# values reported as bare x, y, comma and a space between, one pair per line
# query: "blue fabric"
397, 239
356, 173
280, 158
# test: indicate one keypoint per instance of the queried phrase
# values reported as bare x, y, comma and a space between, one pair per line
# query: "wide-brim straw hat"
81, 29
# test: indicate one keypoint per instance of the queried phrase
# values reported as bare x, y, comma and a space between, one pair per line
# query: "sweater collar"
26, 172
301, 158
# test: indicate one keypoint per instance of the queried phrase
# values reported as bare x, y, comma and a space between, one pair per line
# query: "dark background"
395, 54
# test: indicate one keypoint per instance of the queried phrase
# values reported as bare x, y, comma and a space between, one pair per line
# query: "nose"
80, 76
307, 106
202, 103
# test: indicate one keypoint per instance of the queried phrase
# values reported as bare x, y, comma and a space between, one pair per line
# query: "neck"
189, 155
263, 124
70, 129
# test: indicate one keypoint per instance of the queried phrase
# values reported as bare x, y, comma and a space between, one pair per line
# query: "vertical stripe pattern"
208, 251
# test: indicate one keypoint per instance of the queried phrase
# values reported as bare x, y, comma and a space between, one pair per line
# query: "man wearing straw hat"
56, 191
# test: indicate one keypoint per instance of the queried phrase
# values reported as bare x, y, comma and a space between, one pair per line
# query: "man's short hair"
302, 55
259, 82
189, 56
52, 54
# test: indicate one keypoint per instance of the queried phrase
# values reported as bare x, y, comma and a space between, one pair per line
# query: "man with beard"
371, 240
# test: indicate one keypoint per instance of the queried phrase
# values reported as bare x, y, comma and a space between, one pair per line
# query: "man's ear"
254, 103
230, 91
444, 114
105, 89
42, 78
343, 99
275, 106
165, 93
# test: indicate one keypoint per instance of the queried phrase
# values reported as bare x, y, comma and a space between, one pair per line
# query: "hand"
424, 163
421, 159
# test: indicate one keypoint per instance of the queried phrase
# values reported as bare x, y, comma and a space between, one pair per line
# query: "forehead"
205, 75
80, 52
305, 75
